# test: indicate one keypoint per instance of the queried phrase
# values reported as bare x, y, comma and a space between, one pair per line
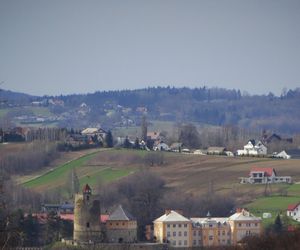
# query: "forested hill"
216, 106
206, 105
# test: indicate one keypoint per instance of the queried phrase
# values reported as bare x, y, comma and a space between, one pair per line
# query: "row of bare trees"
30, 157
144, 194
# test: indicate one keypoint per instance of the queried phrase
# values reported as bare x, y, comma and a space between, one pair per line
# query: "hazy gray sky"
72, 46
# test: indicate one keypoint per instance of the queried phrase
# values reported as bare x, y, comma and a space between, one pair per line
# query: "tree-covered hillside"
215, 106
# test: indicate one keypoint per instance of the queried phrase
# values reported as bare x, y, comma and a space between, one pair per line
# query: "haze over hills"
213, 106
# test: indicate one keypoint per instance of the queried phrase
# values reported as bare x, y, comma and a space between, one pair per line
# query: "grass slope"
58, 173
88, 169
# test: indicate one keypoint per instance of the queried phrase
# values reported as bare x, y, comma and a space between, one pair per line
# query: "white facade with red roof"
259, 175
294, 211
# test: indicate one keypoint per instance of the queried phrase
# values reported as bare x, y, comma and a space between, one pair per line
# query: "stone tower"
86, 217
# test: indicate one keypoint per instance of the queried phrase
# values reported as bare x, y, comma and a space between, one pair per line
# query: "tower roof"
87, 189
120, 214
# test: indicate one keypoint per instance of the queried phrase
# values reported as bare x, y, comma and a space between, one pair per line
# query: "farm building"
264, 176
253, 149
294, 211
216, 150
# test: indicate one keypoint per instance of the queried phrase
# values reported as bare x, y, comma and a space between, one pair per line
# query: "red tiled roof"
292, 207
104, 218
42, 217
291, 228
69, 217
267, 171
87, 188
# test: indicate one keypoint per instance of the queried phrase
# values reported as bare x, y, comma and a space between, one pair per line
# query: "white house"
294, 211
253, 149
98, 132
282, 155
161, 146
264, 176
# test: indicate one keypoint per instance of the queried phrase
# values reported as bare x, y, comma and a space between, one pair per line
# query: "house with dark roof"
259, 175
216, 151
293, 211
121, 226
253, 149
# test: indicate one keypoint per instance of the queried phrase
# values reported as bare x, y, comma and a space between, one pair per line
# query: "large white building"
252, 148
179, 231
173, 228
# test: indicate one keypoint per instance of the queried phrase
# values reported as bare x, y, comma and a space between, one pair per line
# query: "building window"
87, 198
256, 224
179, 225
117, 224
179, 233
210, 237
199, 233
194, 242
199, 242
210, 225
185, 233
174, 233
185, 243
124, 224
168, 234
179, 243
240, 224
223, 232
174, 225
168, 225
174, 242
218, 232
87, 224
195, 232
185, 225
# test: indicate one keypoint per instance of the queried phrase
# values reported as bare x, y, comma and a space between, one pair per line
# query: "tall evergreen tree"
127, 143
144, 128
278, 225
137, 143
109, 140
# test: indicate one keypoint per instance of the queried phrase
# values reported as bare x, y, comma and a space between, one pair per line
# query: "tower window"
87, 197
87, 224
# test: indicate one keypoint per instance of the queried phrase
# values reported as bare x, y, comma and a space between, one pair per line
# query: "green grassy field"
275, 204
104, 176
40, 111
87, 168
3, 112
58, 173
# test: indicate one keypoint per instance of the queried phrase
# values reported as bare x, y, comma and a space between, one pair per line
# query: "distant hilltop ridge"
285, 92
211, 106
